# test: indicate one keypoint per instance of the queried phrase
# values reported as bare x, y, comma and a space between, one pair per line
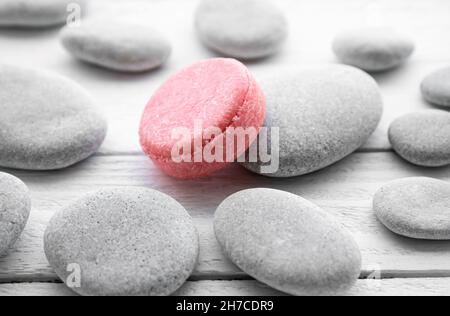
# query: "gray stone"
245, 29
36, 13
287, 243
15, 206
422, 138
117, 45
125, 241
436, 87
323, 115
373, 49
47, 122
415, 207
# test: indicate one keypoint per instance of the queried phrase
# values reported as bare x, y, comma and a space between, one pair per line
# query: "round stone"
15, 206
244, 29
33, 13
315, 117
422, 138
47, 122
117, 45
415, 207
123, 241
287, 243
436, 87
373, 49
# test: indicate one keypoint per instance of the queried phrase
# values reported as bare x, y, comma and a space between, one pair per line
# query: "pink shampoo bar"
213, 94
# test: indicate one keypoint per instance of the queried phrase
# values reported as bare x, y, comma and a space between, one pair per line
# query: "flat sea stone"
47, 122
415, 207
15, 206
245, 29
123, 241
321, 115
117, 45
373, 49
287, 243
37, 13
436, 87
422, 138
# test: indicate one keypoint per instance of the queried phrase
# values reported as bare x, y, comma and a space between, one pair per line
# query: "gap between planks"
394, 287
241, 276
139, 153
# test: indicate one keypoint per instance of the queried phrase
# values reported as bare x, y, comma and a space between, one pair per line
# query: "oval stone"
117, 45
373, 49
123, 241
47, 122
245, 29
33, 13
287, 243
316, 117
436, 87
422, 138
15, 206
415, 207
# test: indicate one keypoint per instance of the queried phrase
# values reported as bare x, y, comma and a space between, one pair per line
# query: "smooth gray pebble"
124, 241
415, 207
47, 122
15, 207
244, 29
422, 138
287, 243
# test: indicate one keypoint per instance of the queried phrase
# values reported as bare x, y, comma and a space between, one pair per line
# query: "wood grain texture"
395, 287
313, 26
345, 190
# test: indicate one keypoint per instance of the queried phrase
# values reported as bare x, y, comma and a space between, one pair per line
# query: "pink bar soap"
193, 113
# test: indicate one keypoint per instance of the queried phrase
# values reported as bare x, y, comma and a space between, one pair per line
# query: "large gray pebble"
244, 29
125, 241
323, 115
287, 242
15, 206
36, 13
373, 49
422, 138
47, 122
117, 45
415, 207
436, 87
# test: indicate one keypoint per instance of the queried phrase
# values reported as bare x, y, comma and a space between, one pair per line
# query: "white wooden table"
406, 267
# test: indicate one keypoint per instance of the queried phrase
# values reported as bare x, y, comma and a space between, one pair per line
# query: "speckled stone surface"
36, 13
415, 207
47, 122
245, 29
323, 114
117, 45
422, 138
126, 241
15, 206
373, 49
436, 87
287, 242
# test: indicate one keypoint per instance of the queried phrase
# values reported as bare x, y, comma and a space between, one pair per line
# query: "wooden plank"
391, 287
123, 97
345, 190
